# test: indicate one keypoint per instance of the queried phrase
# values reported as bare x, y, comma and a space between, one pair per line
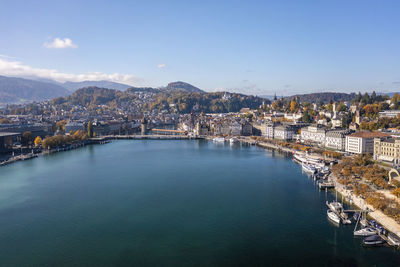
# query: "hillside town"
367, 124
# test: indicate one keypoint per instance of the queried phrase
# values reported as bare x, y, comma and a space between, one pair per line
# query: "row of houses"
377, 143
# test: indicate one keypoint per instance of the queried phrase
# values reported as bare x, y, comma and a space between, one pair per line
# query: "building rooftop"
366, 134
3, 134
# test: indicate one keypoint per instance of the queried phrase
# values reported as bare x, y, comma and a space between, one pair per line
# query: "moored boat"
219, 139
233, 140
365, 232
333, 216
335, 206
393, 239
308, 168
373, 240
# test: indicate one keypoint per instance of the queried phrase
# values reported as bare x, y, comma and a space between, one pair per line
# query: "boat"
333, 216
219, 139
233, 140
308, 168
364, 222
373, 240
335, 206
345, 218
393, 239
299, 158
365, 232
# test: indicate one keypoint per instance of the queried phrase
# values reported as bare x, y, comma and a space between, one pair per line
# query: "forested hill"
175, 101
204, 102
323, 97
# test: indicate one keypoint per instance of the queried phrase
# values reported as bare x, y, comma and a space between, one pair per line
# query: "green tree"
26, 138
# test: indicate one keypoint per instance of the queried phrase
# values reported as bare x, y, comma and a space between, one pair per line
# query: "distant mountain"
323, 97
73, 86
183, 87
173, 87
19, 90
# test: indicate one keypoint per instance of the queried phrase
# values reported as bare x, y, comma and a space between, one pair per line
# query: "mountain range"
15, 90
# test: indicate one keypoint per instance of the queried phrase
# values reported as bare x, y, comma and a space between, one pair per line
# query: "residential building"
269, 129
362, 142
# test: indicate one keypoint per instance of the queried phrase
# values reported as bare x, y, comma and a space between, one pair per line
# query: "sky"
253, 47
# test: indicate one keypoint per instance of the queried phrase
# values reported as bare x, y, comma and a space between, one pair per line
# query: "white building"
284, 132
336, 139
362, 142
313, 133
269, 130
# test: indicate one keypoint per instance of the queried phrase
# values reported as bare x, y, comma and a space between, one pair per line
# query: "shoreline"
386, 221
95, 141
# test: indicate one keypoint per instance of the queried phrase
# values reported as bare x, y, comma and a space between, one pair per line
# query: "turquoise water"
171, 203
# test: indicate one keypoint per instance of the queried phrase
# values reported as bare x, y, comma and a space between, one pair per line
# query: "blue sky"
255, 47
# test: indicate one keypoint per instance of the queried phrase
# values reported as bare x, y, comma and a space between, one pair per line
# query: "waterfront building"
313, 133
247, 129
74, 126
236, 128
202, 129
37, 129
7, 140
269, 129
284, 132
362, 142
336, 139
387, 149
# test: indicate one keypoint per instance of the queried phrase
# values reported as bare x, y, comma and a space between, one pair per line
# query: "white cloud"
161, 66
60, 43
17, 69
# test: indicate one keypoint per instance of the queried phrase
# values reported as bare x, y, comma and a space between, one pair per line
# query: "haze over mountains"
21, 90
15, 90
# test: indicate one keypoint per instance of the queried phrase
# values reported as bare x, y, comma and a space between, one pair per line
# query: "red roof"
367, 134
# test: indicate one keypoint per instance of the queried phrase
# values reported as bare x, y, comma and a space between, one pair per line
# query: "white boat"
233, 140
335, 206
333, 216
308, 168
219, 139
393, 239
299, 158
365, 232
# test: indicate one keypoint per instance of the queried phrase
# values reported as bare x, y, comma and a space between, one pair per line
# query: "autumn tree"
38, 141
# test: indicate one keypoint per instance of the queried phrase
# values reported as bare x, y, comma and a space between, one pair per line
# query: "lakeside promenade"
387, 222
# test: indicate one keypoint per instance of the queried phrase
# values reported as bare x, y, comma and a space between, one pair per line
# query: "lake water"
171, 203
